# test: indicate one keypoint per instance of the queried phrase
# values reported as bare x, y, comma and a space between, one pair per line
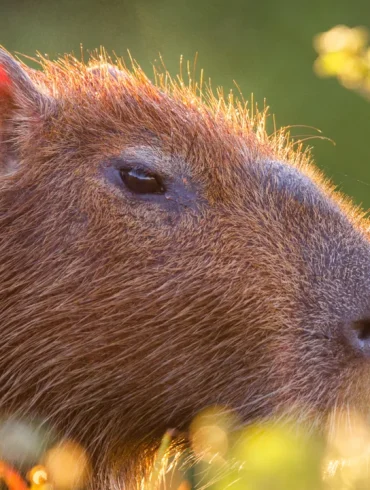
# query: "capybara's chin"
159, 254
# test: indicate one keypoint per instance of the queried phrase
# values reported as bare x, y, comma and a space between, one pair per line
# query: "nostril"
362, 329
359, 335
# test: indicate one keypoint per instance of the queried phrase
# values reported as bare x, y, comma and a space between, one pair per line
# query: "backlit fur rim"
58, 78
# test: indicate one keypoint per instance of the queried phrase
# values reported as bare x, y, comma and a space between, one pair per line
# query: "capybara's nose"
357, 334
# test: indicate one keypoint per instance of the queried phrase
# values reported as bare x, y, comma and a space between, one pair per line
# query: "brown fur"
121, 317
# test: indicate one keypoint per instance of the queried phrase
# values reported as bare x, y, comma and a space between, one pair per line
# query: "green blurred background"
266, 46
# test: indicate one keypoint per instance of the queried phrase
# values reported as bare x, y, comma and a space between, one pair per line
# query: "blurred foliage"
32, 458
271, 456
265, 46
345, 53
280, 455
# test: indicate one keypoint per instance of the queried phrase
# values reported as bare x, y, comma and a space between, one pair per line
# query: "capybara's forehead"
184, 117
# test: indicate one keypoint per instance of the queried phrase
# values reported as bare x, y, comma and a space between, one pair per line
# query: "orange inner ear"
5, 107
5, 82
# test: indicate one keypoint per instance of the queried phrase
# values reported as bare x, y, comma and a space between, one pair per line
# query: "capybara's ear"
21, 103
16, 87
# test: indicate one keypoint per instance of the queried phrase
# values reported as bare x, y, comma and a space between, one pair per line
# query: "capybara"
161, 253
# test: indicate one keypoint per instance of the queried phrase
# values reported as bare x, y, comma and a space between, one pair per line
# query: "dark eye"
141, 182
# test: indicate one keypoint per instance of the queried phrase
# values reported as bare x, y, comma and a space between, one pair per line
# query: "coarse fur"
123, 315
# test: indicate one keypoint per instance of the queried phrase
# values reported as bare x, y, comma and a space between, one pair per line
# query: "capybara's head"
160, 253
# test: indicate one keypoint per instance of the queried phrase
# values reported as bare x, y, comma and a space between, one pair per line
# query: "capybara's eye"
141, 182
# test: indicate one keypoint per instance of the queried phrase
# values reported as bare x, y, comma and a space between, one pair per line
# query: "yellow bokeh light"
209, 433
67, 466
37, 475
344, 53
348, 453
208, 442
341, 38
